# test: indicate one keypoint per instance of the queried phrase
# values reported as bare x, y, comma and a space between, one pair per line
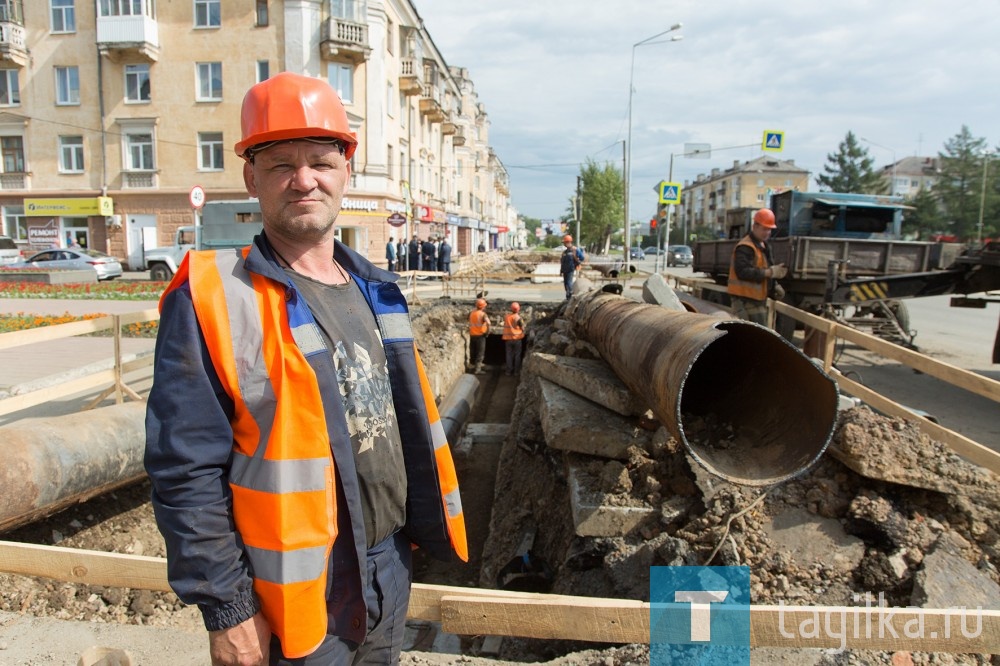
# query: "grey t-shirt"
349, 329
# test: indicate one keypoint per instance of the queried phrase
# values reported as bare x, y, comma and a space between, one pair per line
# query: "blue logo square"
699, 615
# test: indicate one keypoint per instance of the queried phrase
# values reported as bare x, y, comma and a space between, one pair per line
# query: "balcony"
448, 128
12, 46
138, 180
430, 104
343, 39
458, 138
13, 181
123, 38
409, 77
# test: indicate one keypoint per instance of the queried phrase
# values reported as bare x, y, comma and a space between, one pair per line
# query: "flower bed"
115, 291
21, 322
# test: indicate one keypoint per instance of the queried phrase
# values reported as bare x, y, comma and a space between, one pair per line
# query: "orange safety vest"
755, 291
513, 327
479, 323
282, 475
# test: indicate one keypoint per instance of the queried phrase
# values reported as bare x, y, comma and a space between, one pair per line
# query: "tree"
925, 217
960, 185
603, 206
530, 225
850, 170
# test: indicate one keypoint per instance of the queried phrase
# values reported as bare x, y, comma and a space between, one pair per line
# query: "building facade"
909, 175
705, 201
111, 111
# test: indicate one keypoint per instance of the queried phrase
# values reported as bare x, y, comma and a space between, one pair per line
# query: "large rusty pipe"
456, 407
52, 463
776, 408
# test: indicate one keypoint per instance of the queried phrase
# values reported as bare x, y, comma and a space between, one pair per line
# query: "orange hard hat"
292, 106
515, 307
765, 218
480, 303
567, 238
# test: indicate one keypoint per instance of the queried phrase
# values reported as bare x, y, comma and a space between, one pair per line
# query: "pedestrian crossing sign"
670, 193
773, 140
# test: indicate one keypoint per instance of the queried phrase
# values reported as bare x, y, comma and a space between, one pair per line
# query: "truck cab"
162, 262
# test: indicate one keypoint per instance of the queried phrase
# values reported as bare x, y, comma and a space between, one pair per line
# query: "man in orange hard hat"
479, 328
569, 262
752, 272
292, 440
513, 335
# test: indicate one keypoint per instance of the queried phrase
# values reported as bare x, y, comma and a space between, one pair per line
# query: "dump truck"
831, 241
224, 224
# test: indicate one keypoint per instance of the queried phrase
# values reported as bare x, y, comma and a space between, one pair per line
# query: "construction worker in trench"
513, 336
569, 262
753, 274
292, 440
479, 328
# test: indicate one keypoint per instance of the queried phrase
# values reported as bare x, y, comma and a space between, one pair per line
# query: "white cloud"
554, 75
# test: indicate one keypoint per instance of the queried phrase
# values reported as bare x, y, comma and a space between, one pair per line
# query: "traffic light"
652, 223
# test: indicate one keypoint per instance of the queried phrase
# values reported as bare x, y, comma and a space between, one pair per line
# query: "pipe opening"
753, 409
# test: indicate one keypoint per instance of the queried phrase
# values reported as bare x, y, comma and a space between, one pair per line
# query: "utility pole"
579, 211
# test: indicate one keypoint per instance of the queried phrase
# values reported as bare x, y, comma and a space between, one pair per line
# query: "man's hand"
778, 271
246, 644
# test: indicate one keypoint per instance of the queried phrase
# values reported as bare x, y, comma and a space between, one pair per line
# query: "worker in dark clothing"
444, 256
401, 255
429, 255
753, 273
568, 263
414, 254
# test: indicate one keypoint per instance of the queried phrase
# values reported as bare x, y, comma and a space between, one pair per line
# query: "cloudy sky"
554, 76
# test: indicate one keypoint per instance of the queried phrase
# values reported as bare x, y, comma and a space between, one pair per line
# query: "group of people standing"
513, 337
432, 254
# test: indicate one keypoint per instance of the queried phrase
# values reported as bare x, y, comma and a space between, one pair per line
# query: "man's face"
760, 233
567, 244
300, 185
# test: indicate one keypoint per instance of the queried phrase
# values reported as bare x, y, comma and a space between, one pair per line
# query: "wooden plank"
970, 381
150, 314
96, 380
962, 445
86, 567
471, 611
57, 332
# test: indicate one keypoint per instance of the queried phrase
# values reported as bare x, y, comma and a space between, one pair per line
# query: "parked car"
9, 253
107, 267
679, 255
636, 253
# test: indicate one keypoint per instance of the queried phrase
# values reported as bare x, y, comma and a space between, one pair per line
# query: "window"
388, 162
404, 109
345, 9
208, 13
341, 78
71, 154
123, 8
15, 222
209, 82
261, 13
263, 70
210, 151
12, 152
67, 85
63, 16
10, 91
389, 36
390, 99
139, 151
137, 83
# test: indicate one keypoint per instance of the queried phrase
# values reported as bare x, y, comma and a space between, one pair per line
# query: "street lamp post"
982, 199
628, 143
892, 186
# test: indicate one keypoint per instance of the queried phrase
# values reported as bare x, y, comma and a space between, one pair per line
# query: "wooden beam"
57, 332
470, 611
970, 381
960, 444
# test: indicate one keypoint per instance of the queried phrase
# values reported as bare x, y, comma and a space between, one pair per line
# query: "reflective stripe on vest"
282, 476
756, 291
477, 323
510, 331
447, 476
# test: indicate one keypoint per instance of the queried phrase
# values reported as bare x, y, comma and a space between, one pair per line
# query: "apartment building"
748, 184
111, 111
909, 175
